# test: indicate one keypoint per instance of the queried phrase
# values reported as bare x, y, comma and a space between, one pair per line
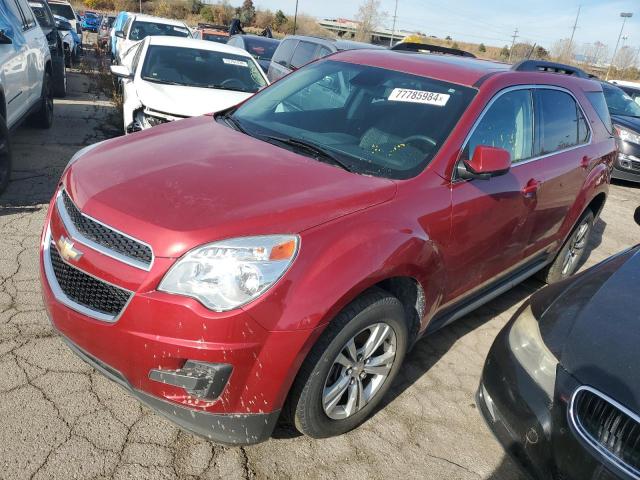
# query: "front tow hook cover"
200, 379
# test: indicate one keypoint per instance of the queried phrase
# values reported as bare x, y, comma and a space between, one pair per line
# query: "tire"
313, 405
60, 83
5, 155
570, 256
43, 118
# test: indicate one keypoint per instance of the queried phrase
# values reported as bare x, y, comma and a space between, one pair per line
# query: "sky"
491, 22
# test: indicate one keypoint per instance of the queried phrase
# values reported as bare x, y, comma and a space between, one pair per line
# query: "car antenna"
531, 51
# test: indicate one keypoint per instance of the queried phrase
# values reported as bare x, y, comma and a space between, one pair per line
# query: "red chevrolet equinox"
282, 256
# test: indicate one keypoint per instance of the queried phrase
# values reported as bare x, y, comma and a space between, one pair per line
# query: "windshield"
260, 48
63, 10
43, 17
193, 67
141, 30
620, 103
376, 121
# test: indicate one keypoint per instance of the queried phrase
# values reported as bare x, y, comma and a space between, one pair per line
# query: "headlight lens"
533, 354
228, 274
626, 135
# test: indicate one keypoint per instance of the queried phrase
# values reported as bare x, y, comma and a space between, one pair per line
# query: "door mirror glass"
120, 34
486, 162
121, 71
636, 215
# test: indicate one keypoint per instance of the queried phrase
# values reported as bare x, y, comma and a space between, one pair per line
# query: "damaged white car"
168, 78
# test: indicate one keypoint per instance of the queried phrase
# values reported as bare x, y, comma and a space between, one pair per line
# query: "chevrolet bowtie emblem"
66, 249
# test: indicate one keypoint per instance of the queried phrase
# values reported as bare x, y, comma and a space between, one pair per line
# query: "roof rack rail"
551, 67
415, 47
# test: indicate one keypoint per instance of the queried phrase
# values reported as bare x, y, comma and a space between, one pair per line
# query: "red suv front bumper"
161, 332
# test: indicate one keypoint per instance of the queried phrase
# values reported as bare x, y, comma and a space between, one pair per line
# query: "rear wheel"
60, 83
43, 118
571, 255
351, 367
5, 155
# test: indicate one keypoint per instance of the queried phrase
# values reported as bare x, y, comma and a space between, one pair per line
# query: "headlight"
533, 354
228, 274
626, 135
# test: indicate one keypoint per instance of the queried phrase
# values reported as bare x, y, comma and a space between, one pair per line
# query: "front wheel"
572, 254
351, 367
5, 155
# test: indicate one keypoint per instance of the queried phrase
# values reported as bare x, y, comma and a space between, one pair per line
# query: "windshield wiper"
164, 82
316, 150
234, 123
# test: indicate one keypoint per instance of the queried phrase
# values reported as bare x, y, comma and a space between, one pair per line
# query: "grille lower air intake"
609, 427
85, 290
105, 236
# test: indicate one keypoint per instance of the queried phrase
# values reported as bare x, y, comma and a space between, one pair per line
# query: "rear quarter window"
599, 104
304, 54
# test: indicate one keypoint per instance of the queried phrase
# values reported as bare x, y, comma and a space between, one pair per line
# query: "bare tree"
595, 53
563, 50
625, 57
369, 17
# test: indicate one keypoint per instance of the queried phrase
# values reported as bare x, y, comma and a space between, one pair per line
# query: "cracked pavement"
60, 419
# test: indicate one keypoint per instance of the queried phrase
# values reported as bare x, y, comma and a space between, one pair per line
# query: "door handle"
531, 188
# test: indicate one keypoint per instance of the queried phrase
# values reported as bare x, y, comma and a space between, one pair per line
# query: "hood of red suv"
195, 181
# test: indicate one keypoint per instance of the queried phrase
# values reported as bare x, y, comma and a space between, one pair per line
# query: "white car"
65, 10
139, 26
169, 78
26, 88
69, 43
625, 83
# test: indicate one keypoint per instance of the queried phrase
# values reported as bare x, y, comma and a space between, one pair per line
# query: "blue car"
91, 21
118, 24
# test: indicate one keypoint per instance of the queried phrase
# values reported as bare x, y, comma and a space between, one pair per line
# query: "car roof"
454, 69
196, 43
152, 19
335, 43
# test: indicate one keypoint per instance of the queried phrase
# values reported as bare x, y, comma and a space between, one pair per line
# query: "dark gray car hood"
603, 346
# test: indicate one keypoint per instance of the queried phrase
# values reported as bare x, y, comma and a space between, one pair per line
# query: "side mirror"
119, 34
487, 162
636, 215
4, 38
121, 71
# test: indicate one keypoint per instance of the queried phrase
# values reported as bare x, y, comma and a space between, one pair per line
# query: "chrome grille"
86, 290
105, 236
609, 427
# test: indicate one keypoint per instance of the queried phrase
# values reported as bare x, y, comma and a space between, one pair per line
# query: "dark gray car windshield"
375, 121
63, 10
193, 67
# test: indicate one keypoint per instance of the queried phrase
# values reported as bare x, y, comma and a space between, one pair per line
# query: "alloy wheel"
576, 248
359, 371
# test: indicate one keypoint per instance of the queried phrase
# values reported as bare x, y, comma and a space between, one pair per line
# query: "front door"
489, 224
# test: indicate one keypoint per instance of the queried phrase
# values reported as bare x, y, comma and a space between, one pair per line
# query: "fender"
596, 182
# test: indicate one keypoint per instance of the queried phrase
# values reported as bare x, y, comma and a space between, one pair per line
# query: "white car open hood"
186, 101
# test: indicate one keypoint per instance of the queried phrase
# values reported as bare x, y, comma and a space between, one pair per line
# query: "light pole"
295, 18
393, 30
624, 16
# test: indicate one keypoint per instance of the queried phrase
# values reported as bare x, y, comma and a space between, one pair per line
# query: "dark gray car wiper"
316, 150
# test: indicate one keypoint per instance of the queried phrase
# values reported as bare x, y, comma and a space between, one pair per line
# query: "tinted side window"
284, 51
599, 104
303, 54
322, 52
559, 121
508, 124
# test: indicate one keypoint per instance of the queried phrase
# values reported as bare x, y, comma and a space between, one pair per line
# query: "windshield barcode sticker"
239, 63
418, 96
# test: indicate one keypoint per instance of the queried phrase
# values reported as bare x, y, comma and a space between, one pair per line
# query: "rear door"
562, 136
14, 66
489, 228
